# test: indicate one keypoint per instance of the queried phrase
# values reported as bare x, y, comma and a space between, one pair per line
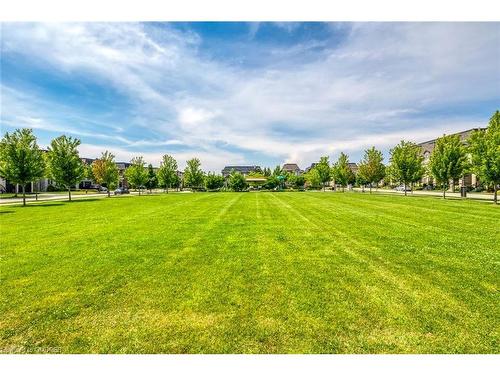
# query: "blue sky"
247, 93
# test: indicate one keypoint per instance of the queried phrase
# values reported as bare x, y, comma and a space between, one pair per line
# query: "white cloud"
376, 87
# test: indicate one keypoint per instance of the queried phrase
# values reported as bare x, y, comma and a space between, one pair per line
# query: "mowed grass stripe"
251, 273
413, 284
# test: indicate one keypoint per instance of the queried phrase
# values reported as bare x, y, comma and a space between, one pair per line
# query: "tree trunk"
109, 193
495, 195
69, 194
405, 190
167, 189
370, 188
444, 192
24, 195
139, 191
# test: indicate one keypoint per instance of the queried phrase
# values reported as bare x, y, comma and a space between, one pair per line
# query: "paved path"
55, 197
62, 197
434, 193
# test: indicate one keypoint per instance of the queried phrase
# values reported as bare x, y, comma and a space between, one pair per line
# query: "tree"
277, 171
267, 172
136, 174
406, 163
297, 181
88, 172
313, 178
177, 182
214, 181
323, 169
484, 147
21, 161
167, 174
342, 174
105, 171
193, 175
65, 166
371, 169
448, 160
361, 180
152, 180
237, 181
272, 182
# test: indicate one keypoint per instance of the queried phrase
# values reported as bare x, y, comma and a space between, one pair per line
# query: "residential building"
353, 167
243, 169
310, 167
292, 168
469, 180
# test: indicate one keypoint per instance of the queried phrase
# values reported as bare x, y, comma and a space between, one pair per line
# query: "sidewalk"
55, 197
432, 193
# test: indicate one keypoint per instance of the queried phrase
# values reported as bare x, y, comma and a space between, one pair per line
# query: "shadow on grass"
6, 212
42, 204
82, 200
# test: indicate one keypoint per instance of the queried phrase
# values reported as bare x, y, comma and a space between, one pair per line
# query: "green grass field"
251, 273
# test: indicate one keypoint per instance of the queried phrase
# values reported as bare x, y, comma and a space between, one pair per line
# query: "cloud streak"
375, 85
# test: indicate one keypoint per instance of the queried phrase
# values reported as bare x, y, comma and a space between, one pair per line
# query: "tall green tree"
324, 171
371, 169
448, 160
361, 181
137, 174
297, 181
105, 171
152, 180
21, 160
484, 147
341, 172
214, 181
65, 166
313, 178
237, 181
193, 175
406, 163
167, 174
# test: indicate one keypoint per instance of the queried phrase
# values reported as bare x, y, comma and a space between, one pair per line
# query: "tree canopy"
406, 163
21, 160
105, 171
193, 175
371, 169
136, 174
152, 180
341, 172
214, 181
65, 165
448, 160
324, 171
167, 173
237, 181
484, 147
313, 178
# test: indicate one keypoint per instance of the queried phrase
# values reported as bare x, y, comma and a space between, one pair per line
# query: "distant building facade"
468, 180
243, 169
292, 168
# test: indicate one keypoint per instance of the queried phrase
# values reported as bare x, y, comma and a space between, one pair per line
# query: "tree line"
23, 162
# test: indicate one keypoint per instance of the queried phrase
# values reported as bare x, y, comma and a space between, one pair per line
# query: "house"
353, 167
243, 169
469, 180
310, 167
292, 168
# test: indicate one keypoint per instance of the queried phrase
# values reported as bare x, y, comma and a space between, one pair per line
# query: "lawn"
251, 273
